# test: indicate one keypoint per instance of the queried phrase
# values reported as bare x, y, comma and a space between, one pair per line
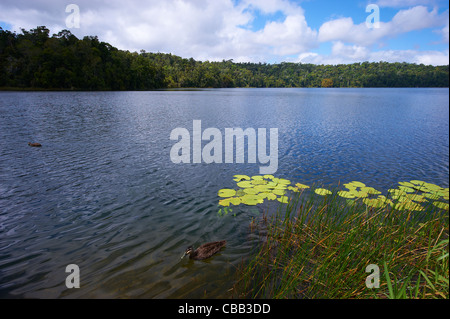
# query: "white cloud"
444, 32
404, 21
344, 54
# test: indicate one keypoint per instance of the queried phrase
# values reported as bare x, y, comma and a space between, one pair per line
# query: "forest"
35, 60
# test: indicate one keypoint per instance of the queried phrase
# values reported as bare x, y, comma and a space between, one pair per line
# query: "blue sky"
307, 31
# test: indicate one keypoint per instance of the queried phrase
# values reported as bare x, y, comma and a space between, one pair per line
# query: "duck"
204, 251
34, 144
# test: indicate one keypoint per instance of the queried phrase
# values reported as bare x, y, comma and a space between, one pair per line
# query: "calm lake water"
104, 194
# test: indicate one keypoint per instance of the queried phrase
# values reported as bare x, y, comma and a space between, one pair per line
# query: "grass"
320, 246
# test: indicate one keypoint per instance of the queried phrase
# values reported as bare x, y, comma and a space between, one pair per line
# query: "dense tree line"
34, 59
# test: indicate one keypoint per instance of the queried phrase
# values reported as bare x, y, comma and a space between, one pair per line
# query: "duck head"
188, 251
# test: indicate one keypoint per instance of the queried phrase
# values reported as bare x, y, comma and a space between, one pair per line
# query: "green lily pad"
370, 190
418, 183
417, 198
431, 196
226, 192
322, 192
350, 186
407, 184
345, 194
269, 196
299, 185
238, 178
240, 192
279, 192
294, 189
408, 205
441, 205
433, 187
262, 188
227, 201
358, 184
283, 181
251, 191
251, 200
257, 177
259, 182
268, 176
283, 199
245, 184
271, 184
406, 189
375, 202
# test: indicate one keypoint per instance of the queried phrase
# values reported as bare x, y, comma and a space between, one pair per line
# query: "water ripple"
102, 192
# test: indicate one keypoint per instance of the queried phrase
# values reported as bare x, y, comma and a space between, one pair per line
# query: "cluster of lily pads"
408, 195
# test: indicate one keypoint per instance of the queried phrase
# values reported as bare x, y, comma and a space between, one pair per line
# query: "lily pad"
432, 187
418, 183
358, 184
251, 200
406, 189
268, 177
259, 182
408, 205
245, 184
360, 194
227, 201
251, 191
345, 194
240, 192
282, 181
226, 192
370, 190
283, 199
407, 184
431, 196
322, 192
238, 178
269, 196
271, 184
375, 202
279, 192
417, 198
262, 188
299, 185
441, 205
350, 186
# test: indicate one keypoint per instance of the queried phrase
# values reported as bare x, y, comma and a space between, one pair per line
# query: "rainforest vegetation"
35, 60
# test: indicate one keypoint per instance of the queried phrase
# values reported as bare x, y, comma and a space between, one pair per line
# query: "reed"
319, 247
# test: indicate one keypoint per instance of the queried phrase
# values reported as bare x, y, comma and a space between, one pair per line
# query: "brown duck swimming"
34, 144
204, 251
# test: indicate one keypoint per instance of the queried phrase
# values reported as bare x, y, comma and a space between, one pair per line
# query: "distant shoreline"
18, 89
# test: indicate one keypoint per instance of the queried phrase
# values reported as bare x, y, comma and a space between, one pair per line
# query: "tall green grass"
319, 247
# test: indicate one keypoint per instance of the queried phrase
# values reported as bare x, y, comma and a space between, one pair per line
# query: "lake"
103, 192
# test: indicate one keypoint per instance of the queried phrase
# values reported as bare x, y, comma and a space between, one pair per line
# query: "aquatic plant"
412, 195
320, 248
